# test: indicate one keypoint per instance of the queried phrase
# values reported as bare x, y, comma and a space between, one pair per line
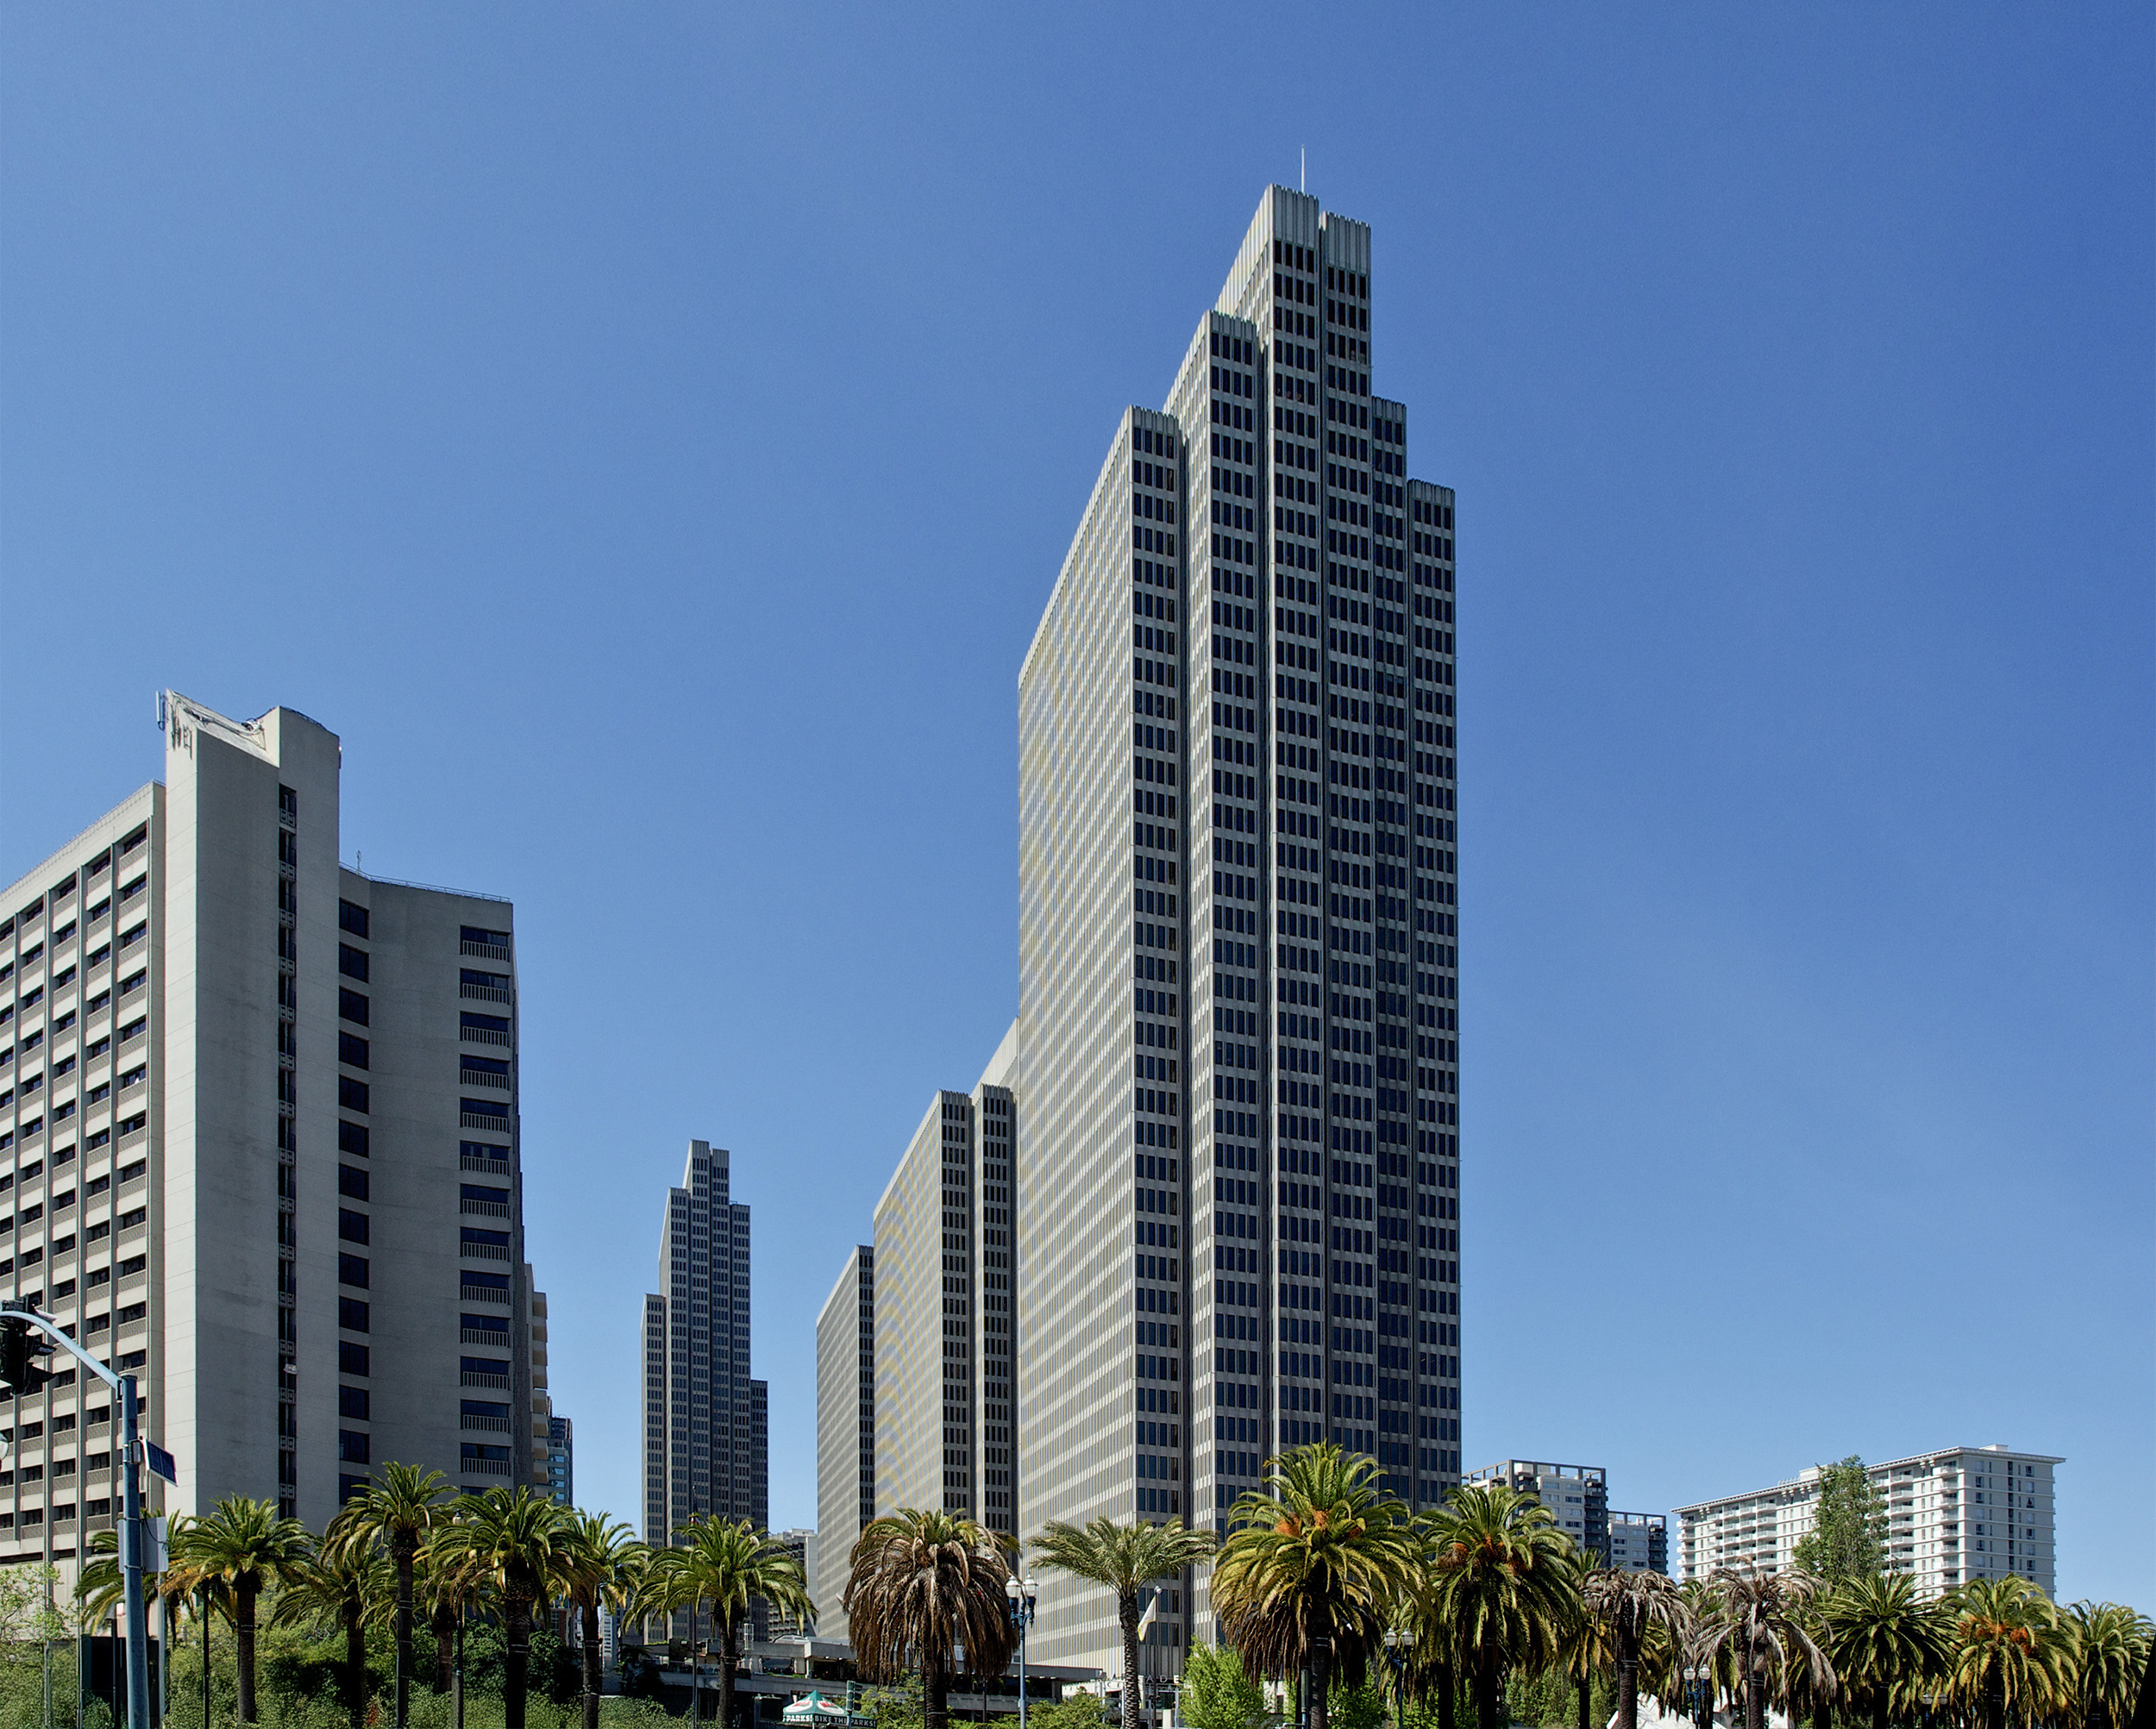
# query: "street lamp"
1696, 1676
1397, 1645
1019, 1599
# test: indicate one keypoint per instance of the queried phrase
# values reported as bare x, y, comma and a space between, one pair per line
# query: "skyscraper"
1238, 925
259, 1144
706, 1448
845, 1432
945, 1310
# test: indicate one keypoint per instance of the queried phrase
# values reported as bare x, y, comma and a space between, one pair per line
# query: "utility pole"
20, 1370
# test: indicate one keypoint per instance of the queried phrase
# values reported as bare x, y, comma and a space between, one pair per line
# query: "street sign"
161, 1463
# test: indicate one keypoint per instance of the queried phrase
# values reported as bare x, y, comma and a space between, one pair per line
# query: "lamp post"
1018, 1598
1397, 1644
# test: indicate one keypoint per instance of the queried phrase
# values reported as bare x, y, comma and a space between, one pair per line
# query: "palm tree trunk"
444, 1623
517, 1663
1628, 1691
1489, 1693
243, 1647
592, 1656
354, 1665
1584, 1687
935, 1694
403, 1545
725, 1631
1446, 1688
1879, 1709
1994, 1698
1755, 1702
1133, 1688
1320, 1684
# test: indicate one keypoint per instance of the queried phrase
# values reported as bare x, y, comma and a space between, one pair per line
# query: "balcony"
486, 1209
493, 1168
499, 1425
499, 1382
486, 1251
483, 993
483, 1293
486, 1035
478, 1119
497, 1337
484, 951
484, 1467
482, 1077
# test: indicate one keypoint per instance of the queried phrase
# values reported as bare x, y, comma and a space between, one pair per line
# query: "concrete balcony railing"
497, 1425
483, 993
485, 1209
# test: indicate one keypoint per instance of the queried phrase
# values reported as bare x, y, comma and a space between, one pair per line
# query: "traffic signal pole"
15, 1318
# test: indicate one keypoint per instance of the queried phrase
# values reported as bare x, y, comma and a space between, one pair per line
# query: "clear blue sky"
647, 435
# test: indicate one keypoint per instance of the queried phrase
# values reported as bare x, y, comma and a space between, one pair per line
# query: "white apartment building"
1238, 996
1953, 1515
259, 1145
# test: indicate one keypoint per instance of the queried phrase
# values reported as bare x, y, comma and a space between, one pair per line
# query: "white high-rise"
1238, 1193
1953, 1515
258, 1145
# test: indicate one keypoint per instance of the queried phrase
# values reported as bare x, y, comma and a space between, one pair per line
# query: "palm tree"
2010, 1652
1884, 1642
402, 1508
924, 1583
1503, 1581
348, 1584
446, 1589
1125, 1558
605, 1558
518, 1544
1309, 1578
1623, 1604
727, 1563
2111, 1649
1758, 1620
244, 1546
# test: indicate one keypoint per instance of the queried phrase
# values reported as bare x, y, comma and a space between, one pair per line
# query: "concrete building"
1578, 1498
705, 1436
1953, 1515
1640, 1542
944, 1325
845, 1434
1238, 914
551, 1472
801, 1545
258, 1145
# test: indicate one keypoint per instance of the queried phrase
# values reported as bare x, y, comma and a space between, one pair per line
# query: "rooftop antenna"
1305, 186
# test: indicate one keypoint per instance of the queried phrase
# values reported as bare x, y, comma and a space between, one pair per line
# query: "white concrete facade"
256, 1118
1954, 1514
845, 1432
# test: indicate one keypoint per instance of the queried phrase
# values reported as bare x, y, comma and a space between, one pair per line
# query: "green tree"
1502, 1588
519, 1543
605, 1567
1847, 1540
1621, 1605
239, 1549
1886, 1645
727, 1564
1125, 1558
1215, 1693
925, 1583
1758, 1621
400, 1511
1317, 1560
2111, 1649
2010, 1652
346, 1584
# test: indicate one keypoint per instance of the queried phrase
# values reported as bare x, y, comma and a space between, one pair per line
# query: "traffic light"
20, 1347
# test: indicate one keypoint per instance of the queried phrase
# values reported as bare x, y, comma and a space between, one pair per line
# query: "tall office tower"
1238, 920
944, 1315
704, 1438
782, 1624
1951, 1515
552, 1471
1578, 1497
845, 1432
258, 1145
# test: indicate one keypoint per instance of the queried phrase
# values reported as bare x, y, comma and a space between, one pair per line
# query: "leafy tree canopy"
1216, 1694
1847, 1540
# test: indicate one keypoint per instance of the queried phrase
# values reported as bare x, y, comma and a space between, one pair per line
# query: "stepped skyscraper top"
1238, 1205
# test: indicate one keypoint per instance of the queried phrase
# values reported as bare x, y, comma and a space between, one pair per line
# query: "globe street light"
1018, 1598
